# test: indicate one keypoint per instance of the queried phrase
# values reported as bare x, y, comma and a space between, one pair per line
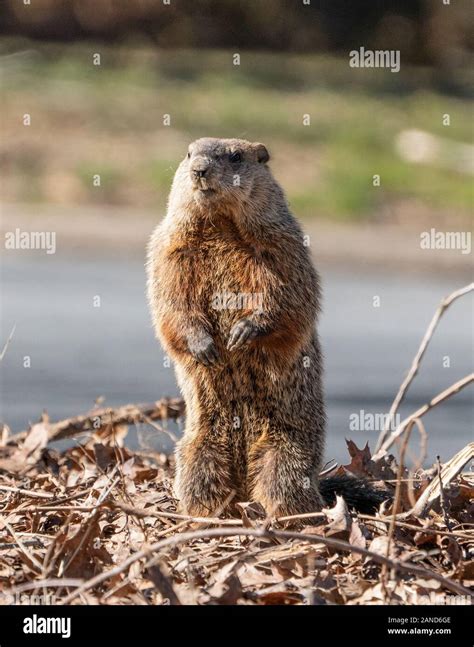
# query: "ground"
98, 524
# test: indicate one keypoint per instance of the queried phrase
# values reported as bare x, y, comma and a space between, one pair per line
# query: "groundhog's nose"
199, 167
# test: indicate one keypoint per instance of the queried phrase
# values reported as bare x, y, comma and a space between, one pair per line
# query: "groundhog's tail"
358, 493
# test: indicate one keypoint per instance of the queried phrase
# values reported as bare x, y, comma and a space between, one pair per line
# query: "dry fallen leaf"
80, 538
339, 516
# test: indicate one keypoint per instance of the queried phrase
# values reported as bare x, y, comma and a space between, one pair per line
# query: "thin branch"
384, 576
445, 303
20, 543
86, 524
338, 544
28, 542
145, 512
7, 343
418, 463
385, 520
45, 584
164, 409
162, 430
411, 526
31, 493
442, 497
450, 470
444, 395
304, 515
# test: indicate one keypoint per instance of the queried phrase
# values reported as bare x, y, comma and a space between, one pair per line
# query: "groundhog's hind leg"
283, 478
203, 482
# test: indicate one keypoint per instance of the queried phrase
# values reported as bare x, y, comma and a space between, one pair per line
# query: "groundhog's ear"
262, 153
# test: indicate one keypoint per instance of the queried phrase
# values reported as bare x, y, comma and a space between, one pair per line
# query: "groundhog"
235, 298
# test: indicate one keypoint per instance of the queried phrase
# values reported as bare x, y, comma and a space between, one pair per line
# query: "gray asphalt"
79, 352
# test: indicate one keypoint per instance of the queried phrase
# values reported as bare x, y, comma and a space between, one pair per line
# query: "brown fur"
251, 378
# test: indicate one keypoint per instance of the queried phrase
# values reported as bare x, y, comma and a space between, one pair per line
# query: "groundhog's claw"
202, 348
243, 331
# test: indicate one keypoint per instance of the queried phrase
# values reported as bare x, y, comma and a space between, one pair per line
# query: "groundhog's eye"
235, 158
189, 154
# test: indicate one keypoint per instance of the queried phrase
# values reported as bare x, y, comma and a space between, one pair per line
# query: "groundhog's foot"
293, 504
202, 482
282, 483
242, 332
204, 499
202, 347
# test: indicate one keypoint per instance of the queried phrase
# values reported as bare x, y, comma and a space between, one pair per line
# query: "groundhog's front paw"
243, 331
202, 348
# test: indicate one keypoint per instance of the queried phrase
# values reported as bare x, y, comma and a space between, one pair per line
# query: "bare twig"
31, 493
418, 461
396, 504
304, 515
444, 395
86, 525
161, 429
45, 584
7, 343
20, 543
28, 542
165, 408
450, 470
401, 467
442, 498
445, 303
411, 526
145, 512
338, 544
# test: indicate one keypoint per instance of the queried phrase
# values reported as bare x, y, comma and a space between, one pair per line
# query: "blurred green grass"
108, 119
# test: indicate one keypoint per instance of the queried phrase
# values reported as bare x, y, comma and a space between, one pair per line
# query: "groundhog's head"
222, 169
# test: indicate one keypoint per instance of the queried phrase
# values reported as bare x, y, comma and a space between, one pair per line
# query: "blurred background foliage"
177, 59
426, 31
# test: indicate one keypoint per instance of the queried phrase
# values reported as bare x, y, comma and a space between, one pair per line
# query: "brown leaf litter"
98, 524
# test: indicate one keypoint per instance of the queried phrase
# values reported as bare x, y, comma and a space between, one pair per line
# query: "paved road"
79, 351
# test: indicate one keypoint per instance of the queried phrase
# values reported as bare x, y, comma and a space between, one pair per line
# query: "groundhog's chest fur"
225, 277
